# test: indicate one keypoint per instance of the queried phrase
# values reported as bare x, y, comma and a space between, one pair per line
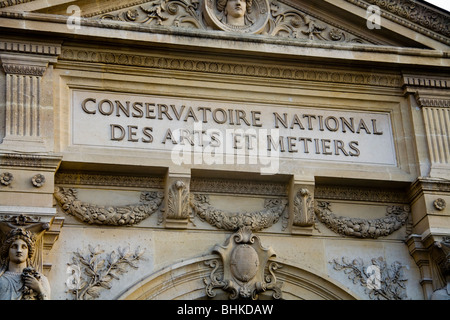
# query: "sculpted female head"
12, 237
235, 10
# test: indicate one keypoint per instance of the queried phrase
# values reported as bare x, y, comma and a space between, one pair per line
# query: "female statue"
18, 278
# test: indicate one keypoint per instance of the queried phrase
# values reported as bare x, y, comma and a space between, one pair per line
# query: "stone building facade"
202, 149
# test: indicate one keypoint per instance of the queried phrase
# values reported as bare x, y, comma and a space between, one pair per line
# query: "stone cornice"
412, 15
423, 184
427, 81
435, 102
303, 72
41, 161
9, 3
141, 34
27, 46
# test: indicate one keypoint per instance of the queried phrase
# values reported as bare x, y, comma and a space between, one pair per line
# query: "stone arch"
184, 280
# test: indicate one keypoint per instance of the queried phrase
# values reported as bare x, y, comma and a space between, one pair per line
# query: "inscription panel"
216, 132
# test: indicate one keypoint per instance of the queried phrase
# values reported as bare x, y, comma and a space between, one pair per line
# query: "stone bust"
18, 278
235, 12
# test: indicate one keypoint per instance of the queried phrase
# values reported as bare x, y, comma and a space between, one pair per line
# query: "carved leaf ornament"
380, 281
108, 215
363, 228
94, 273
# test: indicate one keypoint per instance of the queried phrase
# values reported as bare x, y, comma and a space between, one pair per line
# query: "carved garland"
258, 220
363, 228
108, 215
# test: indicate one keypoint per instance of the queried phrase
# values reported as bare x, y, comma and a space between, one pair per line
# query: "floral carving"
380, 282
91, 273
418, 13
6, 178
169, 12
244, 261
108, 215
363, 228
439, 204
258, 220
38, 180
276, 19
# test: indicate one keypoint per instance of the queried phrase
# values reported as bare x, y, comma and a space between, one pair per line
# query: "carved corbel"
177, 209
244, 261
301, 207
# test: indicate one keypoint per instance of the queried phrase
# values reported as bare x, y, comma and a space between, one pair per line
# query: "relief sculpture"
396, 217
108, 215
21, 277
90, 273
380, 281
273, 18
273, 210
244, 261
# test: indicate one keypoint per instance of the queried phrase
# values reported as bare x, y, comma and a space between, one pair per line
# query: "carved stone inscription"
215, 132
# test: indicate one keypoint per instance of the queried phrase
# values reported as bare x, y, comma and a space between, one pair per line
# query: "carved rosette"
396, 217
6, 178
273, 209
108, 215
244, 261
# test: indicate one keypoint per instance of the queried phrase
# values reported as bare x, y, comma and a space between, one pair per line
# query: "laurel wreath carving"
273, 210
108, 215
91, 273
380, 281
396, 217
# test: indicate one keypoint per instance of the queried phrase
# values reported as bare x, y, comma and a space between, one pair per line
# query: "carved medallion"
246, 16
244, 262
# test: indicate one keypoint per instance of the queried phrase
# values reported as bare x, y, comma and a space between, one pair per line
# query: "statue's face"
18, 252
236, 8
